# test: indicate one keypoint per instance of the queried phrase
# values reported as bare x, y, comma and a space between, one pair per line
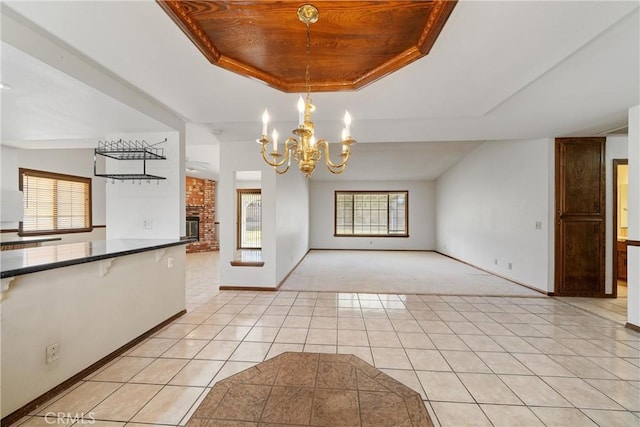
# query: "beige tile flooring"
502, 361
609, 308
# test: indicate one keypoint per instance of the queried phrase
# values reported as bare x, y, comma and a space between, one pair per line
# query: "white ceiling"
45, 104
499, 70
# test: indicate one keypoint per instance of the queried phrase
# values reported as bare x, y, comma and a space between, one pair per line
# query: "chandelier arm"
336, 171
269, 162
325, 147
282, 171
339, 168
290, 144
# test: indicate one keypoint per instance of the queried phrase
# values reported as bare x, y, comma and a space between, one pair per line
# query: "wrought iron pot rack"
129, 150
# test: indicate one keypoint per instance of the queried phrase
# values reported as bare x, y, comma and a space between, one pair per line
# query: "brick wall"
200, 201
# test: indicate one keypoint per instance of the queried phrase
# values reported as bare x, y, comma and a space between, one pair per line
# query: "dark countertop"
32, 260
28, 239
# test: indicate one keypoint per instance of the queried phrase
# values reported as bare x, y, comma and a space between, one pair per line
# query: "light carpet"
400, 272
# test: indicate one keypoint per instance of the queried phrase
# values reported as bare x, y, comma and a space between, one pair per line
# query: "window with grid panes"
371, 213
249, 219
54, 203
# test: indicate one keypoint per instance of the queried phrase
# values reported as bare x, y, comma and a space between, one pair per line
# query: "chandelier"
304, 148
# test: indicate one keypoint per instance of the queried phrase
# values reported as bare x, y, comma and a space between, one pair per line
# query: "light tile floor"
609, 308
502, 361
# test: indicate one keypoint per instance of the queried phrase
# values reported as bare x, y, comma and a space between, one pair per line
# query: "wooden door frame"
614, 225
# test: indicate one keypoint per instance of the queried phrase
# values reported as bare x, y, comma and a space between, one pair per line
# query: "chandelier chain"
307, 74
305, 149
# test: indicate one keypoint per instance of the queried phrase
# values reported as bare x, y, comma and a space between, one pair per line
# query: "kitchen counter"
31, 260
91, 299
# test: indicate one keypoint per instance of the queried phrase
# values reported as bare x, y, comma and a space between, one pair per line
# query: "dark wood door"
580, 217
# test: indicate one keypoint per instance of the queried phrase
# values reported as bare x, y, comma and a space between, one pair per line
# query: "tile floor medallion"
311, 389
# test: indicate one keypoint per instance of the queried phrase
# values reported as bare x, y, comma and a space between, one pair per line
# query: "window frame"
60, 177
239, 193
377, 192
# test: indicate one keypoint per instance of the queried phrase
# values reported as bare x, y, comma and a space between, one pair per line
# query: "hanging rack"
129, 150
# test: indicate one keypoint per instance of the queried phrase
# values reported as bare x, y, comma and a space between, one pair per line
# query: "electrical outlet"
538, 225
148, 224
52, 352
510, 266
170, 262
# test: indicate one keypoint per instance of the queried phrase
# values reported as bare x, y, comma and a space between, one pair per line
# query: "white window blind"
55, 202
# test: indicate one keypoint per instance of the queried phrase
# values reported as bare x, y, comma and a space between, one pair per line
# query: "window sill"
371, 235
248, 258
247, 263
50, 232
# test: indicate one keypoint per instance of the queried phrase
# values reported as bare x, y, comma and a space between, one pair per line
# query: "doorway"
620, 233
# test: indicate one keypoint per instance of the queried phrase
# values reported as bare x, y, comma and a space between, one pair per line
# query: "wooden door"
580, 217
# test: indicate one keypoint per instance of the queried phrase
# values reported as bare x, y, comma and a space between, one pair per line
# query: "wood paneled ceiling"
353, 43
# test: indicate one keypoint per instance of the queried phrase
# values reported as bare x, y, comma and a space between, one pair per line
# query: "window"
371, 213
249, 219
54, 203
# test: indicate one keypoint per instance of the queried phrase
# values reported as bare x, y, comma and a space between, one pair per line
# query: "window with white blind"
249, 219
372, 213
54, 203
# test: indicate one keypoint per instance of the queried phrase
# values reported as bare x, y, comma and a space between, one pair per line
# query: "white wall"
130, 203
488, 205
22, 35
292, 221
77, 162
285, 213
9, 163
421, 216
245, 157
617, 148
202, 146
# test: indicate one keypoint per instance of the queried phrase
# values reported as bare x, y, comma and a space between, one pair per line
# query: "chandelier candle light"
305, 149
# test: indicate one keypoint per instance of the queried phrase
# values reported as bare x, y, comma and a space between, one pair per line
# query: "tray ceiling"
353, 43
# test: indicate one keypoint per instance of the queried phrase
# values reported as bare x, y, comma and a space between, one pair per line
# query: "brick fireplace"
200, 199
